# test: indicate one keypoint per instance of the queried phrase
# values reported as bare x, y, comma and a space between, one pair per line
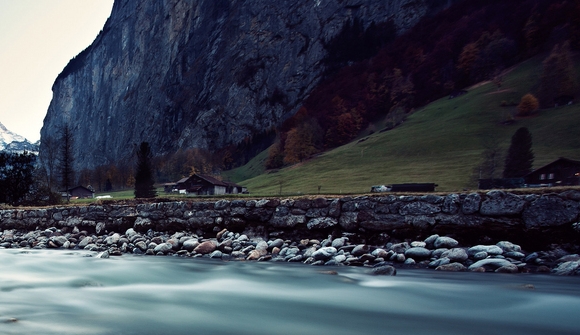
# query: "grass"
440, 143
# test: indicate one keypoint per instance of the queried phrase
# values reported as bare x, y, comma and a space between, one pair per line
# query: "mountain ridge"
12, 142
203, 74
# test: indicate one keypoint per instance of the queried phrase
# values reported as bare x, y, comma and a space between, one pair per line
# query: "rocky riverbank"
441, 253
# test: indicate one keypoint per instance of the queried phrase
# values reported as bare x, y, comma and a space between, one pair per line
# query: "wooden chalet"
563, 171
79, 192
206, 185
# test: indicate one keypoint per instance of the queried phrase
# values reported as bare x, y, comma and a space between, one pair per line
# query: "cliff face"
201, 73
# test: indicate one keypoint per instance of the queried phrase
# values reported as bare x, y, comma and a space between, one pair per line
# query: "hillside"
442, 142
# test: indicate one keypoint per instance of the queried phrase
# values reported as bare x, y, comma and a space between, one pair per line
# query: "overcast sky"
37, 39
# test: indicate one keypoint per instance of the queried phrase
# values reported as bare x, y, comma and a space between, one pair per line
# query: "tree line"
444, 53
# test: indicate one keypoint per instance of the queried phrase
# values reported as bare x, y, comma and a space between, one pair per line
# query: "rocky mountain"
13, 142
203, 73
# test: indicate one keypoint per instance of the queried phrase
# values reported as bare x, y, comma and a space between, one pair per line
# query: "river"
62, 292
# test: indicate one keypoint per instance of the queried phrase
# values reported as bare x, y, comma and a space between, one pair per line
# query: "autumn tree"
528, 105
275, 156
520, 157
301, 142
144, 183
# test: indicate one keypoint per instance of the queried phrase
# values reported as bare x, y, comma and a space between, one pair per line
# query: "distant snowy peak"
13, 142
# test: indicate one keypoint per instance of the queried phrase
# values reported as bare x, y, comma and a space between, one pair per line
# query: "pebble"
442, 253
493, 262
490, 249
454, 267
418, 253
445, 242
384, 270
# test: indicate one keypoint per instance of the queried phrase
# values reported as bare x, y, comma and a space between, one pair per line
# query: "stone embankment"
452, 232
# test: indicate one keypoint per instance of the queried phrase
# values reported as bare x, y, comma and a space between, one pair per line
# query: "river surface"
59, 292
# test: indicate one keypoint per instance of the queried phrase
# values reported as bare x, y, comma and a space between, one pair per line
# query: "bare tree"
66, 159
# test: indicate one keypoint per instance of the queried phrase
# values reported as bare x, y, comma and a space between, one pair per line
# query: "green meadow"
441, 143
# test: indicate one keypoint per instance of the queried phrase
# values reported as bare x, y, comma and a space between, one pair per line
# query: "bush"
528, 105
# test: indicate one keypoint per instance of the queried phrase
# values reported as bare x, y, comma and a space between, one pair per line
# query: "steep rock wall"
201, 73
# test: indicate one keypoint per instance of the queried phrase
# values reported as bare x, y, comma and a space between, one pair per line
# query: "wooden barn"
562, 171
79, 192
206, 185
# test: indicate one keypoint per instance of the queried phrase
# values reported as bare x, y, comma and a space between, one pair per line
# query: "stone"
498, 203
514, 254
453, 267
418, 244
480, 255
113, 239
206, 247
451, 204
418, 253
492, 262
471, 204
141, 245
277, 243
100, 228
550, 211
104, 254
348, 220
262, 246
489, 249
430, 241
508, 268
419, 208
130, 233
438, 262
321, 223
339, 242
445, 242
409, 261
324, 253
567, 268
400, 247
287, 221
216, 254
360, 250
163, 248
59, 240
455, 255
384, 270
508, 246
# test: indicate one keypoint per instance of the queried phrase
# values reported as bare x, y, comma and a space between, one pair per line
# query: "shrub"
528, 105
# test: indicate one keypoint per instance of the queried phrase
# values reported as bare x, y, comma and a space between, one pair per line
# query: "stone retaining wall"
525, 219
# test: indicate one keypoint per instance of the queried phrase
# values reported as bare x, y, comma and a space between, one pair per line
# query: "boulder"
498, 203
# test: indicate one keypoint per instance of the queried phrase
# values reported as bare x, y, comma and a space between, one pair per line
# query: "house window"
542, 176
551, 176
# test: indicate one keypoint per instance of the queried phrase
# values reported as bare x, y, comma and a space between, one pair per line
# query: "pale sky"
37, 39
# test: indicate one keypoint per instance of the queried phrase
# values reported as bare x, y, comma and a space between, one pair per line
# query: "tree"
65, 163
558, 76
49, 157
144, 173
520, 157
16, 176
528, 105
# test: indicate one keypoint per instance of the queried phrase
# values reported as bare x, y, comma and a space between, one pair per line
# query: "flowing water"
57, 292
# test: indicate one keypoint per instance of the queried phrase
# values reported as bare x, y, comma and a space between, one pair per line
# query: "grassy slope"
440, 143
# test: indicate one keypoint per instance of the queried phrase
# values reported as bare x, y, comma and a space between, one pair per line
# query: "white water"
57, 292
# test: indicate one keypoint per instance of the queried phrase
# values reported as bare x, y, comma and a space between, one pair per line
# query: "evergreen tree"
16, 176
520, 156
144, 173
65, 163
